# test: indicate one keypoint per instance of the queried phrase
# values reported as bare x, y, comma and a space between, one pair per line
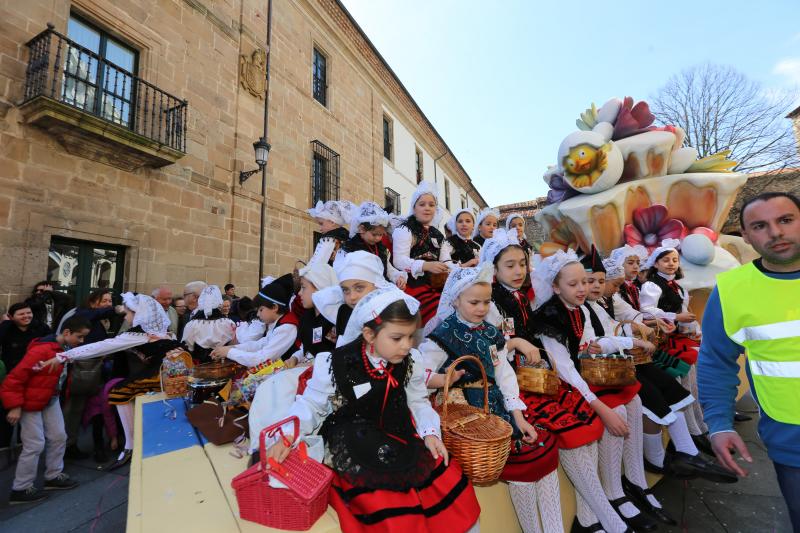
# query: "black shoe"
60, 482
637, 522
29, 495
74, 453
638, 496
739, 417
684, 466
578, 528
653, 469
124, 459
703, 444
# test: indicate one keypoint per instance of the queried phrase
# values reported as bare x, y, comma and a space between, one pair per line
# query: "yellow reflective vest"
762, 314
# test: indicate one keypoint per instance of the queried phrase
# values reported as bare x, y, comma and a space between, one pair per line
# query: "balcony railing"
67, 72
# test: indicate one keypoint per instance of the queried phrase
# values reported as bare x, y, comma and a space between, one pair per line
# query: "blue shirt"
717, 381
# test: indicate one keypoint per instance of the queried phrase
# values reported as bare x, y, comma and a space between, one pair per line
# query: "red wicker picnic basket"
295, 508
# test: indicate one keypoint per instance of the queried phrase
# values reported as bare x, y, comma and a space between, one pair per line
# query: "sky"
503, 81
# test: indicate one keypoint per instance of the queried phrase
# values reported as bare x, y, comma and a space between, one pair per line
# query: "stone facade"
534, 232
191, 219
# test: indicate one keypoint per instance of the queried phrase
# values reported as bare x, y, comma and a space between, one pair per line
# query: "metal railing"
63, 70
324, 173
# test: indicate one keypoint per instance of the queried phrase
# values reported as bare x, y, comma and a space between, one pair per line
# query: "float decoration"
621, 179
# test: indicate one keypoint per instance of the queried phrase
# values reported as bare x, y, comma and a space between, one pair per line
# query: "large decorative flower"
632, 119
559, 190
651, 226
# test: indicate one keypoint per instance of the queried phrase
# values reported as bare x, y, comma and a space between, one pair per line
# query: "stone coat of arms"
253, 73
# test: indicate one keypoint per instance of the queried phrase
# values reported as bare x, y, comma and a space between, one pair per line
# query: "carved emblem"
253, 73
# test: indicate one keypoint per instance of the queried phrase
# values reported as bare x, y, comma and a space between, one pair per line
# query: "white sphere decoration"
698, 249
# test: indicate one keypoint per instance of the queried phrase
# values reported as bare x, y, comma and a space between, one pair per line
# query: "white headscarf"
148, 313
501, 240
337, 211
546, 272
451, 224
426, 187
210, 299
614, 269
394, 222
371, 306
621, 254
361, 265
328, 301
488, 211
458, 281
266, 280
368, 213
511, 218
667, 245
320, 274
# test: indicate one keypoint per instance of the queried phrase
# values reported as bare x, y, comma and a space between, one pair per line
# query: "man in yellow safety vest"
755, 309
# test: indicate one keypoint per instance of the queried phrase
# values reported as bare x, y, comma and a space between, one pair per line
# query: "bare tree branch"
721, 109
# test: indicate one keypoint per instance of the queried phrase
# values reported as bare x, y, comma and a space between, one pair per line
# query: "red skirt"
532, 461
428, 301
681, 347
616, 396
566, 415
446, 502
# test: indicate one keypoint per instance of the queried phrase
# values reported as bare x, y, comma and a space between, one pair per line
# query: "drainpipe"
266, 137
435, 177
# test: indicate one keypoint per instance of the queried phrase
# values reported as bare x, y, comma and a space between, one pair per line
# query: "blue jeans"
789, 480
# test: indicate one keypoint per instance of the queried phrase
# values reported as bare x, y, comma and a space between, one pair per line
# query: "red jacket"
23, 387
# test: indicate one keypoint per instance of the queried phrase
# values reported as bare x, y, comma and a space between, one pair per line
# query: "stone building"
534, 232
124, 127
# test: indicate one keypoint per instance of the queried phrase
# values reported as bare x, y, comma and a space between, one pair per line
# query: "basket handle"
451, 369
619, 328
270, 431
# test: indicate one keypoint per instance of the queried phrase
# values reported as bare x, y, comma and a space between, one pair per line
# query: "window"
104, 87
447, 194
324, 173
319, 81
392, 201
79, 267
387, 138
463, 202
418, 165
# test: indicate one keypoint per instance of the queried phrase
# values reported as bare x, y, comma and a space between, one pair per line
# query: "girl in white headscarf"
382, 436
333, 218
208, 327
516, 223
149, 340
459, 246
487, 222
460, 329
417, 245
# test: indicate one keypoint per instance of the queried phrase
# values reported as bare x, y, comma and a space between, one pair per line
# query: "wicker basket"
537, 380
438, 280
640, 356
176, 386
608, 371
480, 441
224, 369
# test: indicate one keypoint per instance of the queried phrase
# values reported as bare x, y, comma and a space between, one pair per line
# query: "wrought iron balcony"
80, 96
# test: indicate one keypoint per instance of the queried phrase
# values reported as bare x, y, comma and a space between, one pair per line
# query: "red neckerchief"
522, 304
674, 286
633, 294
381, 373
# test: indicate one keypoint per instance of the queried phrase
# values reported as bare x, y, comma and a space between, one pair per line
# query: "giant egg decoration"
698, 249
590, 162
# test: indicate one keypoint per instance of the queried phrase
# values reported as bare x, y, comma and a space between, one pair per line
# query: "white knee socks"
610, 451
681, 438
632, 449
125, 411
654, 448
523, 496
549, 500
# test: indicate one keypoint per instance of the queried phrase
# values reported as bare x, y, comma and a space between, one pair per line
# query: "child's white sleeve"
123, 341
432, 357
506, 379
314, 405
401, 244
270, 348
649, 295
426, 419
566, 368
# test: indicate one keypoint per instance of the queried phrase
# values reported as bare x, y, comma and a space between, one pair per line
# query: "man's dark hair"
229, 286
75, 324
45, 282
18, 307
763, 197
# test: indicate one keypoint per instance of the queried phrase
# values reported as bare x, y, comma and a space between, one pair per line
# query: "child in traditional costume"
459, 246
333, 218
417, 245
626, 300
367, 229
382, 436
208, 328
487, 222
459, 328
282, 325
516, 222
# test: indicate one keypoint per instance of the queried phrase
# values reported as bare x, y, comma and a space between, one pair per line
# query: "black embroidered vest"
671, 301
317, 334
463, 250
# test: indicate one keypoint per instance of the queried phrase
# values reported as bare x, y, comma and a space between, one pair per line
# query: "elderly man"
163, 295
191, 294
754, 308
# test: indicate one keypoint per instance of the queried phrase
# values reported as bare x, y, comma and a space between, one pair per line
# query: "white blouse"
402, 242
649, 295
446, 253
266, 349
208, 333
625, 311
314, 405
251, 330
504, 376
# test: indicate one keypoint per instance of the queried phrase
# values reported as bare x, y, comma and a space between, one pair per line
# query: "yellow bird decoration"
584, 164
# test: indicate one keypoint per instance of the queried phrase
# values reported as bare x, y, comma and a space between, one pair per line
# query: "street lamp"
261, 147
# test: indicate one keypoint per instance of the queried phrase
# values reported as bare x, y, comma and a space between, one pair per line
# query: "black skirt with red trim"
682, 347
566, 415
446, 502
531, 462
428, 301
616, 396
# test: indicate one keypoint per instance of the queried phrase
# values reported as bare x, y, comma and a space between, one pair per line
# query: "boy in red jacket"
30, 395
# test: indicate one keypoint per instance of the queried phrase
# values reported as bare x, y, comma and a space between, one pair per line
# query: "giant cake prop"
620, 179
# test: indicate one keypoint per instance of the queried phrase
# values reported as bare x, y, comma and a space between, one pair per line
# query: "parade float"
621, 179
